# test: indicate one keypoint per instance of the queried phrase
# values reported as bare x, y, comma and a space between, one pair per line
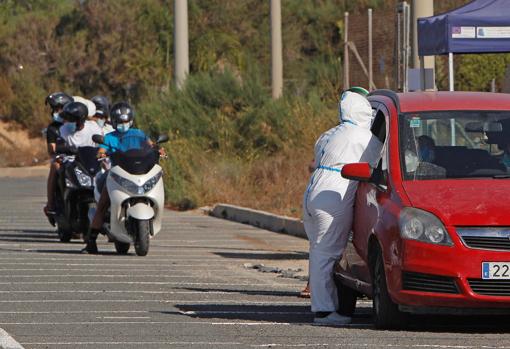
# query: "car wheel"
386, 313
347, 298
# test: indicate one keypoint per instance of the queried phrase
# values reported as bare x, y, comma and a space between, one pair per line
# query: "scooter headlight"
125, 183
133, 187
84, 179
151, 183
423, 226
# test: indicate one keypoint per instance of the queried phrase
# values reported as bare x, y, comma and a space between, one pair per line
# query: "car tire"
347, 298
386, 312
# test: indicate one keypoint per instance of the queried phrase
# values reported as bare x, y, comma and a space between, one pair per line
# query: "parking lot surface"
199, 287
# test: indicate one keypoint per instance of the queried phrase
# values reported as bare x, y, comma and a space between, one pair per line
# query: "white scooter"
137, 197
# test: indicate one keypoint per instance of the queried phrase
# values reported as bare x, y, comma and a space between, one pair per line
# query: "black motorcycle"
75, 192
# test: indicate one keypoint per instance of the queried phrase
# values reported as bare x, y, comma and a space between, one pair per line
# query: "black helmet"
102, 105
75, 112
121, 112
58, 100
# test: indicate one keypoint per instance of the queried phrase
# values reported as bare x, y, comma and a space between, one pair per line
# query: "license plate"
496, 270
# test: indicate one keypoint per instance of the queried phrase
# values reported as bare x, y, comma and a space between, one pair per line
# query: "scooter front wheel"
143, 229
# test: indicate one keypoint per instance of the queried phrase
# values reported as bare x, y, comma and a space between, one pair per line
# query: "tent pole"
450, 70
422, 73
452, 121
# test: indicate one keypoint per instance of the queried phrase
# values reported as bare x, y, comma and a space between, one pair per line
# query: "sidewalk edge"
259, 219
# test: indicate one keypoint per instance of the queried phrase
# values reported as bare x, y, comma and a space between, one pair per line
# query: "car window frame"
383, 163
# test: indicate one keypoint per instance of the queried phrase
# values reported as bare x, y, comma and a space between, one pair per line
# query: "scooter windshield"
132, 152
136, 161
87, 157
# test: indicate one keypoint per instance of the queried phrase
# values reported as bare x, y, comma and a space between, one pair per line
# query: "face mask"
100, 122
123, 127
57, 117
72, 126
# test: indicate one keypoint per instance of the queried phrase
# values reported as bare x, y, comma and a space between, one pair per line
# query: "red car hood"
463, 202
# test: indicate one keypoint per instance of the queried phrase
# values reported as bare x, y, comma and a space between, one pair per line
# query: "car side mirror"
358, 171
162, 139
98, 139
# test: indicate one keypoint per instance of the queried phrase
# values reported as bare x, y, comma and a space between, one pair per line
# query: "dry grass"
18, 149
273, 184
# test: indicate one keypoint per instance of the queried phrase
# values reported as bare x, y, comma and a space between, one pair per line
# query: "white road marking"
222, 323
135, 283
140, 344
211, 301
122, 317
7, 342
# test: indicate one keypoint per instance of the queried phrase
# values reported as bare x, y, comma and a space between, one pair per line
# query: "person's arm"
51, 140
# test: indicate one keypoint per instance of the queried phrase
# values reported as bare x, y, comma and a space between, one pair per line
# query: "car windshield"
455, 144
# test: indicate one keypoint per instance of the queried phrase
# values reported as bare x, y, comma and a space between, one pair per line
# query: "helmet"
120, 113
75, 112
58, 100
91, 107
102, 105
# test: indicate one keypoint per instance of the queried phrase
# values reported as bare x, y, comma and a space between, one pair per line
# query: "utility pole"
276, 49
370, 52
346, 51
421, 8
181, 42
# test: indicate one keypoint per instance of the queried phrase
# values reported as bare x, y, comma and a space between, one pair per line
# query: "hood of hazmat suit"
355, 109
329, 199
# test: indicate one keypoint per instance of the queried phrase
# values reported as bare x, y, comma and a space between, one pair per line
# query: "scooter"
137, 197
75, 192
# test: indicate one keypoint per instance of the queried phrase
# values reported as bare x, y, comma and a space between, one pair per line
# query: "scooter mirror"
162, 139
98, 139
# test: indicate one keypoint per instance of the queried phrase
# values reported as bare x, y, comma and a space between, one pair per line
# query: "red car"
431, 231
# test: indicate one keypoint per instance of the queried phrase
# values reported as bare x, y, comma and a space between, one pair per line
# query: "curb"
260, 219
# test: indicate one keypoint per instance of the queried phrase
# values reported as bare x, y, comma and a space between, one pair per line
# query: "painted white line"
130, 291
134, 283
83, 276
78, 312
122, 317
167, 301
139, 344
7, 342
222, 323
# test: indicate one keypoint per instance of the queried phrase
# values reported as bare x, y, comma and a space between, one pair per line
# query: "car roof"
444, 100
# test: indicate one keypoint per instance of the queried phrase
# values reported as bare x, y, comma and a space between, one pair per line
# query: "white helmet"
90, 105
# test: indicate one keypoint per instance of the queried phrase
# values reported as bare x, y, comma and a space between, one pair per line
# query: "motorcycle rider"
102, 112
56, 101
76, 132
124, 138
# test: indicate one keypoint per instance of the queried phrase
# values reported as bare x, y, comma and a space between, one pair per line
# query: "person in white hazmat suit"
329, 199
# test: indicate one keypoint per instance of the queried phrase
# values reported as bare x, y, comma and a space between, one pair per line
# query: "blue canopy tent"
481, 26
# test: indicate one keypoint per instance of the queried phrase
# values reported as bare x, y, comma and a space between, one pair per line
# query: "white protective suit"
329, 198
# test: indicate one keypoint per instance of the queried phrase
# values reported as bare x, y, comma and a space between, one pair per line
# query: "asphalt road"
193, 290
